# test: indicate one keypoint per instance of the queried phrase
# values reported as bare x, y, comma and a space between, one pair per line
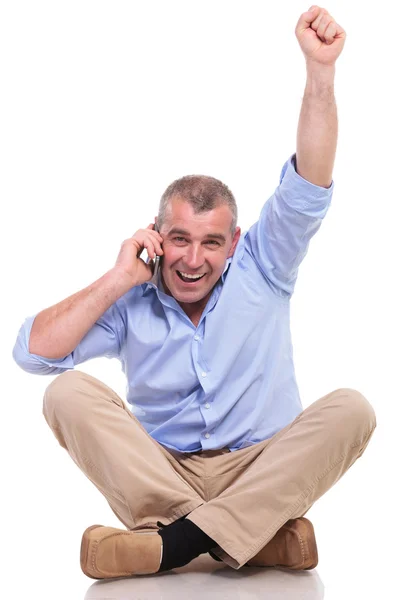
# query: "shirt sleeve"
279, 240
105, 338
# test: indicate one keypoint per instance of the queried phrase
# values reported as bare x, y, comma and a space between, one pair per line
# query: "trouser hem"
183, 511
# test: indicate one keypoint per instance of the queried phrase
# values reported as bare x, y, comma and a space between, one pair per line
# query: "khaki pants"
241, 498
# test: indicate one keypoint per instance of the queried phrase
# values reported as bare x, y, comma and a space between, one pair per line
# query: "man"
215, 453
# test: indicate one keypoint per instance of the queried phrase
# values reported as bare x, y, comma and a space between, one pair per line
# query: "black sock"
214, 556
182, 542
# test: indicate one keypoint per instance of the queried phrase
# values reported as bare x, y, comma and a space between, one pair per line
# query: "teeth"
191, 276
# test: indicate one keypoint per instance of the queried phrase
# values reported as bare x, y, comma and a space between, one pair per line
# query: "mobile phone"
157, 259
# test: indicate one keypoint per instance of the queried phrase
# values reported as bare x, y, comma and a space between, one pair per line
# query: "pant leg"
131, 469
287, 474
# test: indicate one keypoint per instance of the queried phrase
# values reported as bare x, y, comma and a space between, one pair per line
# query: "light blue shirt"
230, 381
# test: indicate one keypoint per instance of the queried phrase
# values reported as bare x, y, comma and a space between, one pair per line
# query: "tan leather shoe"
293, 547
109, 552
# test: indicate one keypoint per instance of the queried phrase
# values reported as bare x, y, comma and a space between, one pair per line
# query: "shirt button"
204, 374
207, 405
197, 337
207, 435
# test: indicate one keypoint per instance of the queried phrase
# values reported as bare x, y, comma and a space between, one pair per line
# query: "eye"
180, 239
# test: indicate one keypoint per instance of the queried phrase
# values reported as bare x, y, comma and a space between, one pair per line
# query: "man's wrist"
320, 79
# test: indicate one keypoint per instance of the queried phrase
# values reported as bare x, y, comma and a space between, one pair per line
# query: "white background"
103, 104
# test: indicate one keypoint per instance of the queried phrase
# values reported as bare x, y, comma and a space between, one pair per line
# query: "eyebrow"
177, 230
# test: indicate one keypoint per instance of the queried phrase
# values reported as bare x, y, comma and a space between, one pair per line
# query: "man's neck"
194, 310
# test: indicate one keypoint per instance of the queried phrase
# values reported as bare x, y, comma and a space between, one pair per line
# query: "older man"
213, 452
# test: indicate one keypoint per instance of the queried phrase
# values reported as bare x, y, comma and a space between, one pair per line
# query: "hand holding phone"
129, 262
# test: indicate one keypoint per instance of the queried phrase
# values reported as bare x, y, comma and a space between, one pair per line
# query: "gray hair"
202, 192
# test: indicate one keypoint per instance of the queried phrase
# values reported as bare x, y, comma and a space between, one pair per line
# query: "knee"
355, 410
59, 395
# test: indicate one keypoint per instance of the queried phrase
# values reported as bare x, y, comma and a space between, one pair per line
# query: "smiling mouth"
192, 279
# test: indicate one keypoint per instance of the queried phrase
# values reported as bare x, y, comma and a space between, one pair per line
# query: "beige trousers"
241, 498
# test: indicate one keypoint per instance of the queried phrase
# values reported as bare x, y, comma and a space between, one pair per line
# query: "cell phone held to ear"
156, 261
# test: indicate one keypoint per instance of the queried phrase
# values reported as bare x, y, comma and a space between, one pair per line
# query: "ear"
235, 241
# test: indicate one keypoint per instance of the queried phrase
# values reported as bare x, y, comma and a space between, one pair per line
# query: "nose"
194, 257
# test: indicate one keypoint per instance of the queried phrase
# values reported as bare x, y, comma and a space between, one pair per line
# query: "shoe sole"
84, 554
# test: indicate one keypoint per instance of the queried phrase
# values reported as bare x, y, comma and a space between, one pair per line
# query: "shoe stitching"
301, 543
93, 551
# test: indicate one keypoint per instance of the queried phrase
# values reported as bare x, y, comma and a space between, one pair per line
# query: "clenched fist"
320, 37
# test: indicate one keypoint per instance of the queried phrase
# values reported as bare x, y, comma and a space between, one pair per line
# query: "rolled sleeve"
33, 363
103, 339
279, 240
302, 195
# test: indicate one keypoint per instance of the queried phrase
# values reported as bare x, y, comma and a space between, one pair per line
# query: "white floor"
206, 578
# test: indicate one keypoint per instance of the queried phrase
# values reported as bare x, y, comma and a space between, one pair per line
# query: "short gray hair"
202, 192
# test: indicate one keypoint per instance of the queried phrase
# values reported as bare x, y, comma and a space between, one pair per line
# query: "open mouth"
192, 279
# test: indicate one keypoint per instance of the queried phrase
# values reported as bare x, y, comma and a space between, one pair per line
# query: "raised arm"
321, 40
279, 240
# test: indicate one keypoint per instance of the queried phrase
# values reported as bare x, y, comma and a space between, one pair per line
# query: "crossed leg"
288, 473
144, 483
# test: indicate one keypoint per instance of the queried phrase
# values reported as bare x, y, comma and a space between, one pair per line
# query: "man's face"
195, 244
